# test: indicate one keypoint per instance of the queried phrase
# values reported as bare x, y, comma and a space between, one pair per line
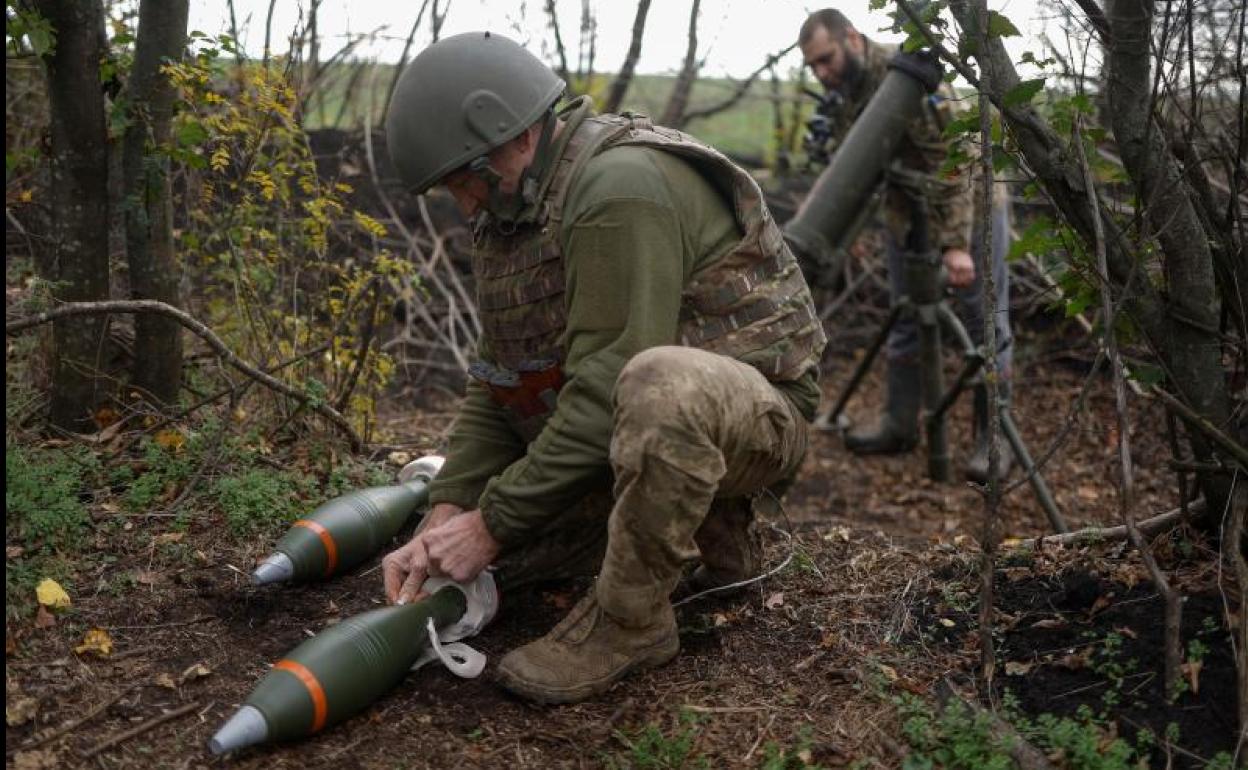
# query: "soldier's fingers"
393, 572
410, 591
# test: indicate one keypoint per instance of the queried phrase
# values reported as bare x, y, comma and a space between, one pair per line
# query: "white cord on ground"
757, 578
788, 536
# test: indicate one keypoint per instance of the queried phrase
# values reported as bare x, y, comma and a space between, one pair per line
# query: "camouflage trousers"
695, 435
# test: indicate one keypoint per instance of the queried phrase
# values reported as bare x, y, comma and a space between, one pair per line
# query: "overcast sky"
735, 36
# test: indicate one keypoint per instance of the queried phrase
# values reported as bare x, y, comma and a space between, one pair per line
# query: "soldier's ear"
853, 41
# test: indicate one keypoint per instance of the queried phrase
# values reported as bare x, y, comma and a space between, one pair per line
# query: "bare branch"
72, 309
1096, 16
619, 86
1126, 478
740, 90
560, 51
398, 70
674, 112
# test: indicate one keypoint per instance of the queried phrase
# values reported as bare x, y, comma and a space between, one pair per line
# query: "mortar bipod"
928, 306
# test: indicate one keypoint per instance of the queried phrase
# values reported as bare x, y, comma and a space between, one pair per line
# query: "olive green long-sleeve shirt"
638, 223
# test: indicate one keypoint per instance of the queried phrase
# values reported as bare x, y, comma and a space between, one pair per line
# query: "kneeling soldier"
648, 362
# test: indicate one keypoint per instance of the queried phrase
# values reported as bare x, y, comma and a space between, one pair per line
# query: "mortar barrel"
826, 220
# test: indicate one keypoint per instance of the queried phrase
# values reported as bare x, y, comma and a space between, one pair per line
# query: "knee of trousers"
661, 412
663, 377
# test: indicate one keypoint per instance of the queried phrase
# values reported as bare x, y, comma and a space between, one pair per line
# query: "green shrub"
260, 499
43, 496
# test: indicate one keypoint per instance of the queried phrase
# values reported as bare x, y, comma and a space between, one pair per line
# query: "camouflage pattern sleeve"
951, 199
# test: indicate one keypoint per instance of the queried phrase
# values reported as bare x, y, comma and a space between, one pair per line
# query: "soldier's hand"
404, 570
461, 548
960, 267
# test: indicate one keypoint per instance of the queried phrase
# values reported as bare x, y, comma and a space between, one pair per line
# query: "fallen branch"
1162, 522
207, 335
155, 721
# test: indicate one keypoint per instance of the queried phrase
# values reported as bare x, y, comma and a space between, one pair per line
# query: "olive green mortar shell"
831, 210
337, 673
350, 529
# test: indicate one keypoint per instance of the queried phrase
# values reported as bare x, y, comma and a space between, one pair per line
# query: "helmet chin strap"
516, 207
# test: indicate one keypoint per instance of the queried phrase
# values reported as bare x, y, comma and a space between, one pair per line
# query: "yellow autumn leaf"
97, 642
170, 439
50, 594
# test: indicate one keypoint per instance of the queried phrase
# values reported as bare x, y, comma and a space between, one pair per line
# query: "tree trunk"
1192, 305
154, 269
624, 77
1192, 367
79, 191
678, 103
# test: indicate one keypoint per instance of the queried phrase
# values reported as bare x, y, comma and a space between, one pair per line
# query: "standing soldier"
644, 326
851, 67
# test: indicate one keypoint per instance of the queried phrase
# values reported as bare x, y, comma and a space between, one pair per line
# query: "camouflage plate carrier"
752, 304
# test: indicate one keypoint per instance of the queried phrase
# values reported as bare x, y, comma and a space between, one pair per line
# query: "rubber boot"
977, 465
728, 544
588, 652
897, 428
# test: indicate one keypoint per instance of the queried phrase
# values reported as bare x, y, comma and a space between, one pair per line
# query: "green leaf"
1146, 374
191, 134
965, 123
1023, 93
1001, 159
1000, 26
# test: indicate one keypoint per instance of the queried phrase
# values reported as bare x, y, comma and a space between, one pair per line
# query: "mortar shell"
348, 530
337, 673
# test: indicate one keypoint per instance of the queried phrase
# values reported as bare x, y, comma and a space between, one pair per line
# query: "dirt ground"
804, 667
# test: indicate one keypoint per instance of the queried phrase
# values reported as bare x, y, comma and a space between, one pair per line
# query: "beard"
852, 76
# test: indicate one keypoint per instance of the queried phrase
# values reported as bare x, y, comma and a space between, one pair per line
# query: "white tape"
481, 598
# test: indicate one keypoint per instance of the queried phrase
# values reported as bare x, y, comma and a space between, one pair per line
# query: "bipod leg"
1038, 484
972, 359
827, 420
932, 378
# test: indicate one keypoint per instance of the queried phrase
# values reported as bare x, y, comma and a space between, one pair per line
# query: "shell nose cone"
246, 728
274, 569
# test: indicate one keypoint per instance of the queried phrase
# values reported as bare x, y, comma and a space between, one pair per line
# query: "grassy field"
349, 91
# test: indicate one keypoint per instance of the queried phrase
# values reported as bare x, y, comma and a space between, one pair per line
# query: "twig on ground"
74, 724
1149, 527
761, 734
207, 335
137, 730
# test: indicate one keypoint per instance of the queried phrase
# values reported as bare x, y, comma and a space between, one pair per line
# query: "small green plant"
46, 518
652, 749
260, 499
1107, 659
798, 757
951, 737
43, 496
163, 467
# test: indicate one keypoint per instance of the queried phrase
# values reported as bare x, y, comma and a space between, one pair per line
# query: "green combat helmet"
460, 98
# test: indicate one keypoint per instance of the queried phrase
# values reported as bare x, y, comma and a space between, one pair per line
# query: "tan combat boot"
588, 652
